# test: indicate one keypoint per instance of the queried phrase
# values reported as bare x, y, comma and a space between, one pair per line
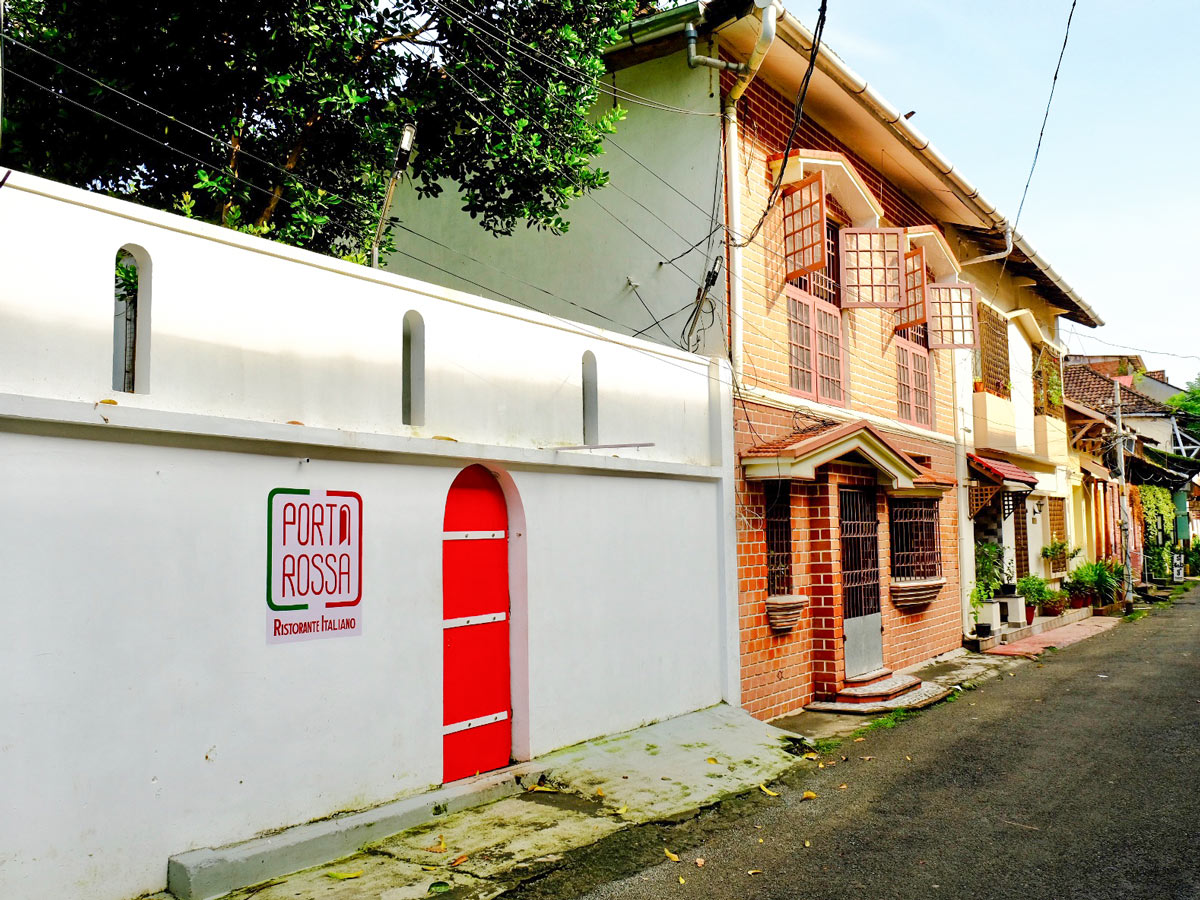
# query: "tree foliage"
307, 99
1188, 403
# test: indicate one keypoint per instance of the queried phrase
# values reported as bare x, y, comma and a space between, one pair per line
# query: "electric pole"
1126, 529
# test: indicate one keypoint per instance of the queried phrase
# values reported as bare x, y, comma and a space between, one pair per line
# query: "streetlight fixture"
407, 136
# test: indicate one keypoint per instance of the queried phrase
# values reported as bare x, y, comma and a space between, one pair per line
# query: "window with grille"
916, 541
872, 267
913, 310
953, 317
804, 227
131, 344
913, 385
1047, 382
777, 518
815, 365
994, 373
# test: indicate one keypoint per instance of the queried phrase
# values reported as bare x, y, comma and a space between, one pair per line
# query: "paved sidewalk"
1036, 644
568, 799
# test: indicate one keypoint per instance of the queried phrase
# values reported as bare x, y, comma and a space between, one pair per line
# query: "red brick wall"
781, 673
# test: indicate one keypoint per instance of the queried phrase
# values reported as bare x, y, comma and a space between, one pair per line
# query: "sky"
1112, 204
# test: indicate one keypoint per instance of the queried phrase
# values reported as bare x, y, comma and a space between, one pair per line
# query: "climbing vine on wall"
1158, 510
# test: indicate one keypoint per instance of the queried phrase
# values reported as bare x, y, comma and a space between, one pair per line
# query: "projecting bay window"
916, 541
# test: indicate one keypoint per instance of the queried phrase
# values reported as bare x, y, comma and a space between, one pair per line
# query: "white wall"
144, 714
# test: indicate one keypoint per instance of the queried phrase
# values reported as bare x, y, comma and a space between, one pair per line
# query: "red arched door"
476, 720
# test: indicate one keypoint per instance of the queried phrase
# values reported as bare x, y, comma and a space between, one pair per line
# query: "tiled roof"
1002, 470
1087, 386
806, 430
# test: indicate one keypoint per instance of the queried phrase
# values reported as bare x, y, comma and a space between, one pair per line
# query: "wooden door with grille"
862, 619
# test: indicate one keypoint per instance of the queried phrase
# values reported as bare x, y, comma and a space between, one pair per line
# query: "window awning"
841, 179
800, 454
1000, 471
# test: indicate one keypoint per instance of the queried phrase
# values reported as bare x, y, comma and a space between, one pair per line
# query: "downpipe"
771, 10
1002, 254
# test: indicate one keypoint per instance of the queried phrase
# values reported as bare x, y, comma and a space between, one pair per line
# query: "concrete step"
918, 698
869, 677
1044, 623
878, 691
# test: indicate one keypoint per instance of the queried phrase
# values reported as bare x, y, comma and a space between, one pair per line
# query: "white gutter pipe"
1008, 248
771, 10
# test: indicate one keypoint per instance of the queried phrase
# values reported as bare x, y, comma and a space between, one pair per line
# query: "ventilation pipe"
1008, 248
771, 10
694, 61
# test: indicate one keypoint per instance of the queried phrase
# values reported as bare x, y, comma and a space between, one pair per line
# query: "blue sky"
1113, 201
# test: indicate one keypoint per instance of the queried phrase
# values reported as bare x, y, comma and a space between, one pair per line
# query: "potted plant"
989, 558
980, 594
1054, 603
1033, 589
1008, 586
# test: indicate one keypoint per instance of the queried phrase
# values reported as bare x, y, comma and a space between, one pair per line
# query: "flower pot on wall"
784, 612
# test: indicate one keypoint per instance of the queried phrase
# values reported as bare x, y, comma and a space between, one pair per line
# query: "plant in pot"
980, 594
989, 562
1033, 588
1008, 585
1081, 586
1054, 603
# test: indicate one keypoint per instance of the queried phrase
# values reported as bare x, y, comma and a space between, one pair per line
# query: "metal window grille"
829, 354
913, 310
953, 317
777, 516
126, 288
993, 352
871, 267
804, 223
916, 539
800, 342
1047, 382
823, 283
859, 530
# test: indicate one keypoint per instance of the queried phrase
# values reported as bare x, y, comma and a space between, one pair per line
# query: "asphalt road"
1076, 777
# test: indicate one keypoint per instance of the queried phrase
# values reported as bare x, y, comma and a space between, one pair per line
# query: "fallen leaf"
712, 760
866, 758
909, 758
760, 840
841, 787
810, 755
681, 881
808, 843
699, 862
845, 758
544, 789
622, 810
671, 856
439, 847
458, 861
439, 887
108, 402
820, 765
754, 871
343, 876
808, 795
430, 868
1012, 674
766, 790
859, 740
599, 792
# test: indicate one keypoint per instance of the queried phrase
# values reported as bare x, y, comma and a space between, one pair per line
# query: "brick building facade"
784, 670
